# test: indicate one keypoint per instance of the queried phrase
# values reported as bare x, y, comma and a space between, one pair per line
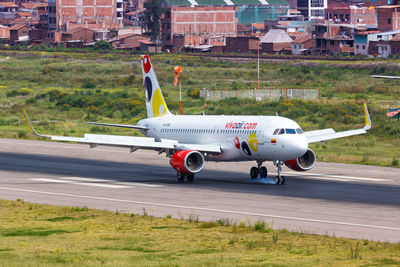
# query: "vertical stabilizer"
155, 103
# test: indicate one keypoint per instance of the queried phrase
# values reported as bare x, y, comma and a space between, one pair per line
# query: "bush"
23, 91
261, 226
194, 93
102, 45
88, 84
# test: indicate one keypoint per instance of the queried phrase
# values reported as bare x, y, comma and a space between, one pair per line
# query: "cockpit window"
290, 131
276, 131
281, 131
299, 131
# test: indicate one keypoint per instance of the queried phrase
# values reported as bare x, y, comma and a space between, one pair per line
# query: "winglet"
367, 118
28, 121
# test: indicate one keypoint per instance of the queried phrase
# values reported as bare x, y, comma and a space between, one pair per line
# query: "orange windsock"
177, 70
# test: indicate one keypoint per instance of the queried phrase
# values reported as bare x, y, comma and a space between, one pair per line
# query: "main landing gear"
261, 171
182, 176
258, 171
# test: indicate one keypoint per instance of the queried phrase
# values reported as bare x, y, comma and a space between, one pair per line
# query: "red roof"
24, 14
301, 40
33, 5
367, 32
146, 42
258, 25
18, 26
8, 4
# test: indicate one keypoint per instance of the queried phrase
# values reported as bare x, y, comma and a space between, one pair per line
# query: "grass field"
42, 235
62, 90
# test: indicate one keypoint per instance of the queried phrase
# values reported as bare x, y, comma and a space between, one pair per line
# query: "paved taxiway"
336, 199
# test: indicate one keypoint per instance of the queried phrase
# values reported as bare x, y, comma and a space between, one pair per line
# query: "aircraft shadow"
297, 186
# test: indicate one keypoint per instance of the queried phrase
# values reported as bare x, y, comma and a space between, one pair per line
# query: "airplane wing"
132, 142
329, 134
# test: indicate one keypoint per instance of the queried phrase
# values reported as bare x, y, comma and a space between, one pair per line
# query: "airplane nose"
300, 146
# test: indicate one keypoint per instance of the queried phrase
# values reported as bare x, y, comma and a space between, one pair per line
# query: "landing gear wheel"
190, 178
263, 172
280, 180
254, 172
180, 177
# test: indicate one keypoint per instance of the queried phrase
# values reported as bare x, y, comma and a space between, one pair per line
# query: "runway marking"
337, 177
205, 209
67, 147
116, 186
81, 179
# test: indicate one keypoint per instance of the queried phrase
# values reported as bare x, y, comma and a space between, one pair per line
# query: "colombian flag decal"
273, 141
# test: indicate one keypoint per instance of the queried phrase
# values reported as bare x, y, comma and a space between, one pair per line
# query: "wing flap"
119, 125
118, 140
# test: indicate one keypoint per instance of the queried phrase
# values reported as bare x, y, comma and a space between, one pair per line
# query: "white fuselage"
241, 138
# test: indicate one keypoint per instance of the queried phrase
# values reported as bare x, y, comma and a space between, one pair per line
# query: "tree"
152, 17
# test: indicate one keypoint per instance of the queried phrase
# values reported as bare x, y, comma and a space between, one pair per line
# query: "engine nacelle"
187, 161
303, 163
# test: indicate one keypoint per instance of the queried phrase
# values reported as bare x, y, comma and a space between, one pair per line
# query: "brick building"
19, 33
4, 32
352, 15
302, 45
100, 14
363, 39
334, 39
198, 23
129, 41
242, 44
388, 17
8, 7
78, 34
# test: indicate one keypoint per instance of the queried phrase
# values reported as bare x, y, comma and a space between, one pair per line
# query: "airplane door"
261, 137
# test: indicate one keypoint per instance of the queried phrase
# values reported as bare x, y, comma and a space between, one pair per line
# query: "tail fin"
155, 103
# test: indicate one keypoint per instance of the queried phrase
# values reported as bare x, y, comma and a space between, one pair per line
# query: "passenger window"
276, 131
299, 130
281, 131
290, 131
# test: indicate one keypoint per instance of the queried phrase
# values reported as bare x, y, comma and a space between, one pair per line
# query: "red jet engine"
303, 163
187, 161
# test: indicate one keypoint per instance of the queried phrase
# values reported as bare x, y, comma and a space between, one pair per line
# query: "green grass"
61, 90
31, 236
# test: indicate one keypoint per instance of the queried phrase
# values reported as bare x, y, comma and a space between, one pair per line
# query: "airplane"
190, 140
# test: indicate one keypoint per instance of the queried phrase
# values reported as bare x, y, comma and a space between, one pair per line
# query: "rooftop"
226, 2
8, 4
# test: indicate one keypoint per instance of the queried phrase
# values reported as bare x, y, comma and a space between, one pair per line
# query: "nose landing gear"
279, 179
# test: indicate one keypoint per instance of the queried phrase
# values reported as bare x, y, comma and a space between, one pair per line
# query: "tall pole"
180, 97
258, 69
177, 78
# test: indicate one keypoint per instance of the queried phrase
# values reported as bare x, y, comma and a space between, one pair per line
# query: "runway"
354, 201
